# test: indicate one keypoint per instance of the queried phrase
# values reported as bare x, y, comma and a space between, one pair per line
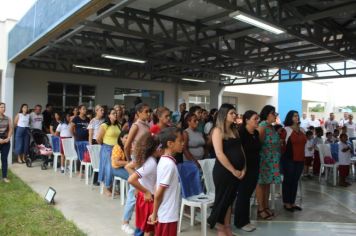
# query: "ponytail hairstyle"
145, 147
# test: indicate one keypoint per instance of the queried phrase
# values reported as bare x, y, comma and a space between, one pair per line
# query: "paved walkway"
327, 210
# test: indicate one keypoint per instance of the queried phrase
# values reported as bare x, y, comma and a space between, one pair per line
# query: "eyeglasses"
274, 113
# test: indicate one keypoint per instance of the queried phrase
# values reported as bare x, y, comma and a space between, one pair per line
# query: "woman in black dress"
252, 145
229, 168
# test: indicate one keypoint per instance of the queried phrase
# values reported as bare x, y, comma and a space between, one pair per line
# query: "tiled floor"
327, 210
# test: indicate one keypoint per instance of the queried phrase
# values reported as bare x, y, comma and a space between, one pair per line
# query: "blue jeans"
22, 140
120, 172
4, 150
130, 203
105, 169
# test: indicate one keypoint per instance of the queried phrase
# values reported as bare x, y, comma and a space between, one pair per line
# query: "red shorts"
308, 161
62, 152
344, 170
165, 229
143, 211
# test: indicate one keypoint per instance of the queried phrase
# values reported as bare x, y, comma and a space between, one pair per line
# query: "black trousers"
4, 150
292, 170
244, 192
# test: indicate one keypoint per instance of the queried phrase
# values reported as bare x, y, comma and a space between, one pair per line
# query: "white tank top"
24, 120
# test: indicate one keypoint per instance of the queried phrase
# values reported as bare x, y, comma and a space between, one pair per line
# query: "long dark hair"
24, 104
248, 115
63, 117
288, 121
211, 115
266, 110
122, 134
107, 119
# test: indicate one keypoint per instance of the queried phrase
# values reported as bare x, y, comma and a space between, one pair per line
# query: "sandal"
270, 212
267, 216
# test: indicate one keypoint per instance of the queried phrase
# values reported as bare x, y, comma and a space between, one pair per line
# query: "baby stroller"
40, 148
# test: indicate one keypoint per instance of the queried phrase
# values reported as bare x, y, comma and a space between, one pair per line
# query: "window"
66, 96
200, 100
127, 96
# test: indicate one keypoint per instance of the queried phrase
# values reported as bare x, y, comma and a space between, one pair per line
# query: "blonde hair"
221, 119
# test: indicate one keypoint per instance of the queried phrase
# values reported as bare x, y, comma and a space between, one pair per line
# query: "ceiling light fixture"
91, 67
238, 15
121, 58
234, 76
194, 80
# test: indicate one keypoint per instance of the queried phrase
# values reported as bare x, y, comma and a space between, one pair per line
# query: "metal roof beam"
168, 5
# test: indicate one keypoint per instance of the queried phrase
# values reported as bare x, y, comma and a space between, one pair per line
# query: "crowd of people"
144, 146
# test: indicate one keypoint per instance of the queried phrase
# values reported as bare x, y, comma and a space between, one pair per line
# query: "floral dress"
270, 156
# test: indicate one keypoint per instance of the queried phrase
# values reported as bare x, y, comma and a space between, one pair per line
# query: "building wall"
31, 87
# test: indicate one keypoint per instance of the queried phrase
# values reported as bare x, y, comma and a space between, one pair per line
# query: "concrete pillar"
289, 96
216, 93
7, 94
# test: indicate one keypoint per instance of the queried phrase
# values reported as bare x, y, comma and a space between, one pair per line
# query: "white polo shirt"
309, 145
167, 176
64, 130
344, 157
148, 174
315, 123
304, 123
351, 128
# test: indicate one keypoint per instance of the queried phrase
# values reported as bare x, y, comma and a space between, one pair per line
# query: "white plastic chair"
70, 155
324, 150
207, 166
94, 153
56, 155
202, 201
124, 186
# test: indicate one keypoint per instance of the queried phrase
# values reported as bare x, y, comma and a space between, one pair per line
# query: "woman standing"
108, 134
54, 123
5, 135
269, 160
163, 119
121, 118
194, 142
80, 124
293, 160
22, 133
228, 170
137, 130
74, 113
252, 146
95, 123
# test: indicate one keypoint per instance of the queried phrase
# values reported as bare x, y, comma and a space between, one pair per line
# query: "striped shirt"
4, 126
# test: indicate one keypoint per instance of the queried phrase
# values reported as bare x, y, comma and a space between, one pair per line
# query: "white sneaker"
249, 228
127, 229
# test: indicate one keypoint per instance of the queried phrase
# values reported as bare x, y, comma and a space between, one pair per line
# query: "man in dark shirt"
47, 118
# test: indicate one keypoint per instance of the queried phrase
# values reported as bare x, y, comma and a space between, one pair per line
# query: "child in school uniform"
144, 180
329, 138
309, 153
317, 140
336, 136
64, 131
344, 160
166, 200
